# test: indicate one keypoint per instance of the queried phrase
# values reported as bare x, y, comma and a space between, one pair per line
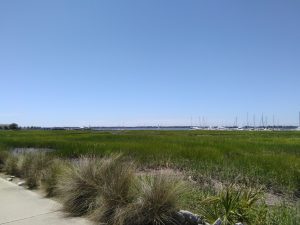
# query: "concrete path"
19, 206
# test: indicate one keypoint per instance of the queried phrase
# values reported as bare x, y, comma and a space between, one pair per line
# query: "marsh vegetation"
119, 177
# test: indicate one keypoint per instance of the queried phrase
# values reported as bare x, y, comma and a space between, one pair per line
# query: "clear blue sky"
146, 62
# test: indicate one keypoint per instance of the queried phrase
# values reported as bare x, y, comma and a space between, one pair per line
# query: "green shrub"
231, 205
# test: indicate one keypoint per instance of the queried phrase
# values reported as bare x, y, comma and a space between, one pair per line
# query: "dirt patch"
270, 199
161, 171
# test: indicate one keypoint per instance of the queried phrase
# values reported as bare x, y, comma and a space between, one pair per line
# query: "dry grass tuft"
51, 175
11, 165
31, 167
107, 189
24, 164
156, 204
117, 180
78, 186
3, 156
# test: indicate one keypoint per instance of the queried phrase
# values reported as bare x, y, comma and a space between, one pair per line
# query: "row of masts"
250, 122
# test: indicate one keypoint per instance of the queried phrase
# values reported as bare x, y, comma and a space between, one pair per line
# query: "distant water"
140, 128
30, 150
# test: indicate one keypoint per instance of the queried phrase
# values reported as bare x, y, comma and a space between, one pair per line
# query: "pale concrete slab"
21, 206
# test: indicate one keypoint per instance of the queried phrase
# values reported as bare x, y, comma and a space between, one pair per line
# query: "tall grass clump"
117, 180
11, 165
231, 205
3, 156
31, 167
24, 164
156, 203
78, 186
51, 175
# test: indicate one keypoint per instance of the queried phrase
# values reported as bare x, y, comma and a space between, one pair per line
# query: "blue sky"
80, 63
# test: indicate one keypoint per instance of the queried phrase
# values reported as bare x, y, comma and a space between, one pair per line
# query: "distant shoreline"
170, 128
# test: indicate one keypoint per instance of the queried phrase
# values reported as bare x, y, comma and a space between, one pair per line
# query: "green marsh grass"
283, 214
268, 158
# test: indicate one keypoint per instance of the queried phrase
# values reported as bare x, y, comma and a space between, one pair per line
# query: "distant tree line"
12, 126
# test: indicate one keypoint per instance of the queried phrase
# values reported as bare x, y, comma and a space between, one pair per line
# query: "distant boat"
196, 128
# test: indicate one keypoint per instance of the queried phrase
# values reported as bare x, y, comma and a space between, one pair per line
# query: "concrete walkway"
19, 206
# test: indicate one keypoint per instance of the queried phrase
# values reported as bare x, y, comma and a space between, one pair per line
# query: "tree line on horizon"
12, 126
